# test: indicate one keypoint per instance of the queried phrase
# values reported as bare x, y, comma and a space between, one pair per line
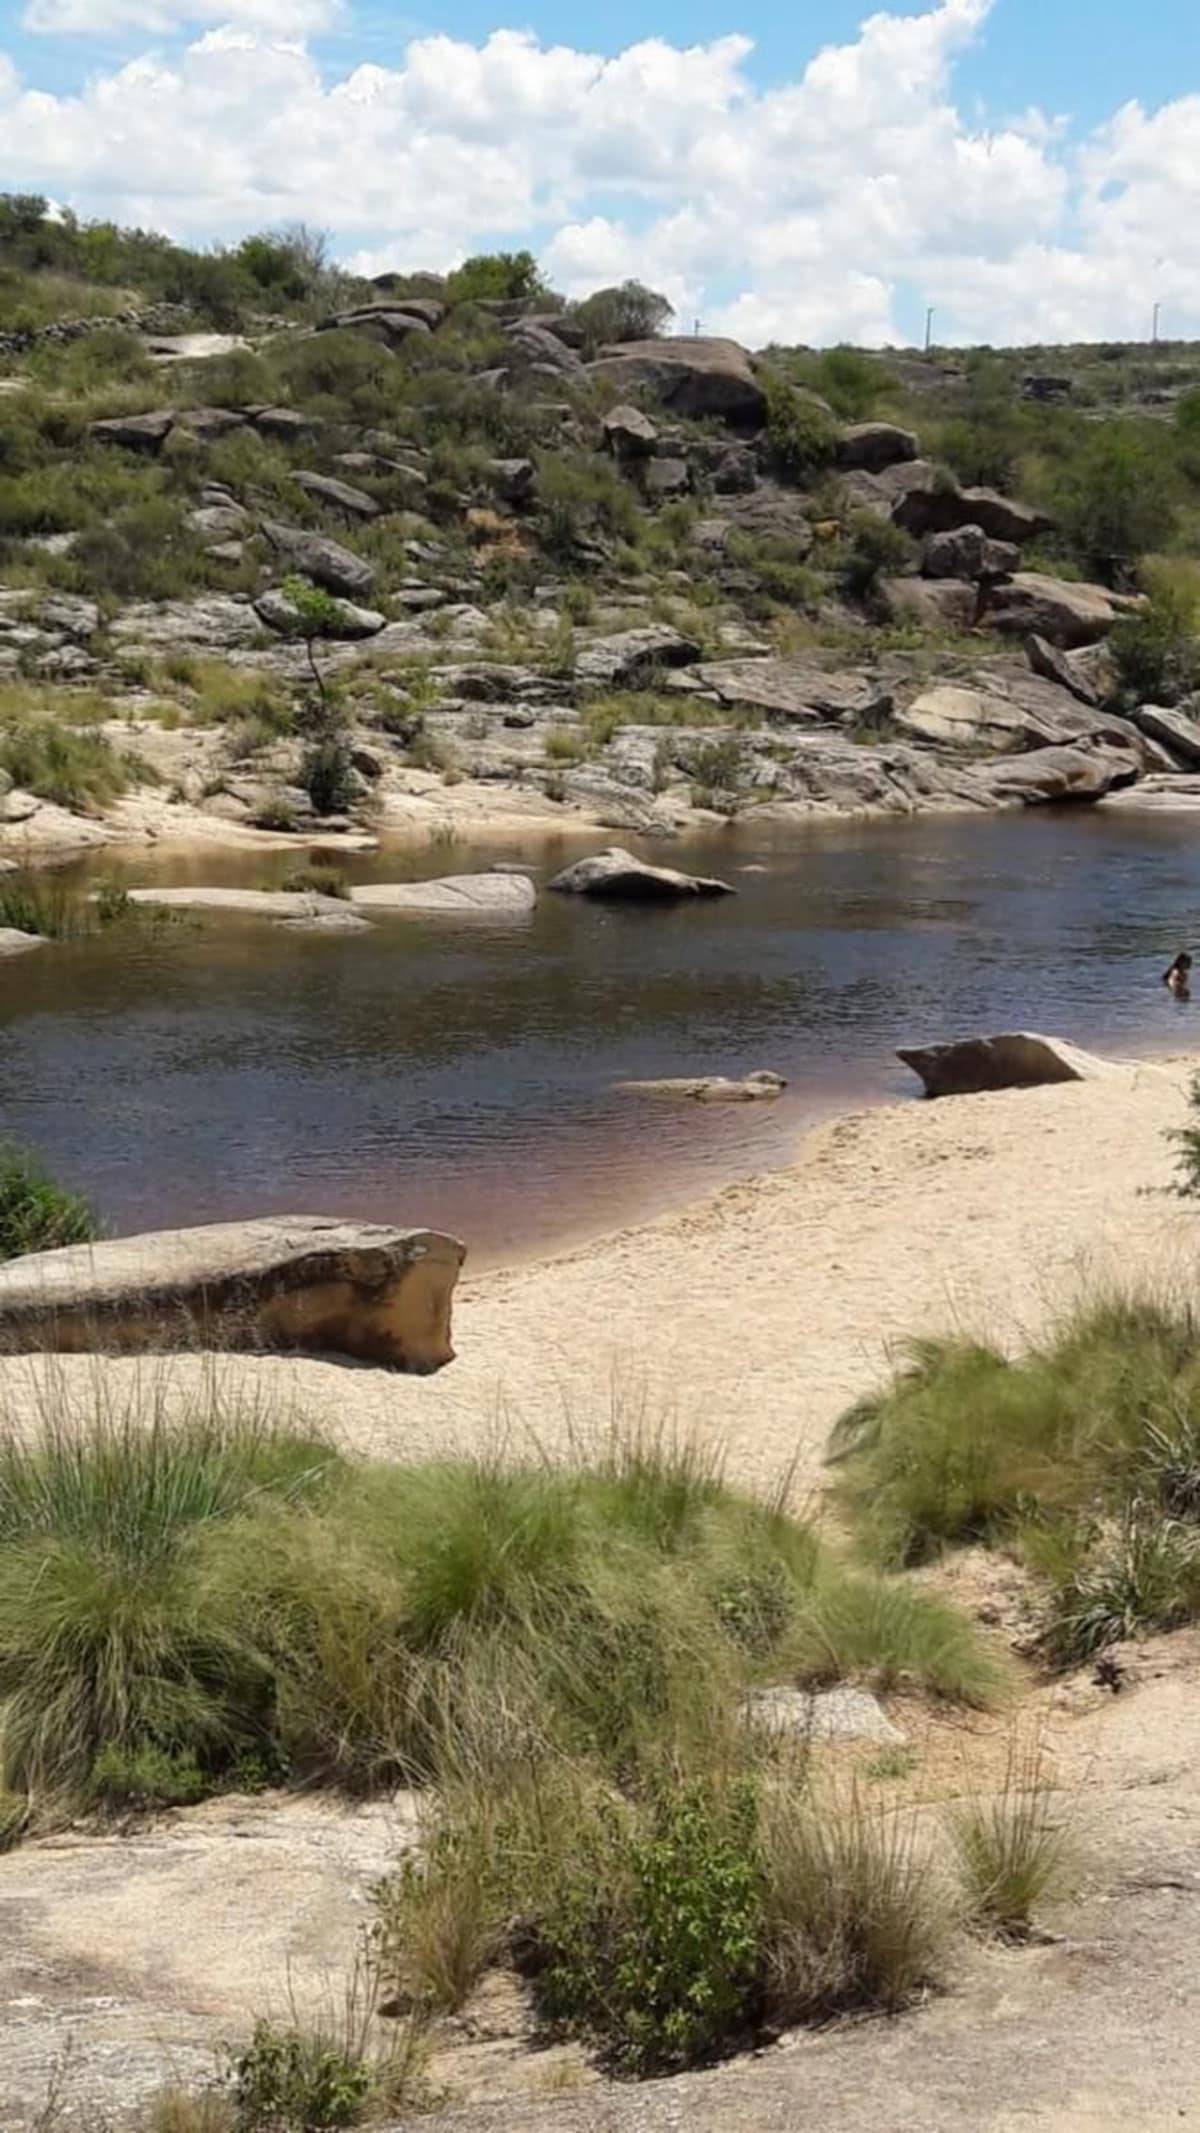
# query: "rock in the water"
691, 376
14, 942
616, 874
1064, 613
712, 1088
289, 1282
967, 552
874, 445
287, 904
326, 562
633, 656
457, 896
1017, 1059
346, 620
628, 433
822, 1715
1173, 729
342, 495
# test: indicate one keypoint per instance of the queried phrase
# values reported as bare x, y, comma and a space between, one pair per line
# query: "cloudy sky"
799, 170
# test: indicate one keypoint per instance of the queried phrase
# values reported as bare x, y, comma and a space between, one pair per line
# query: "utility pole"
696, 327
1154, 327
929, 329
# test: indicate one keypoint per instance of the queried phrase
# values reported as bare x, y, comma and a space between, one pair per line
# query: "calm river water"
460, 1075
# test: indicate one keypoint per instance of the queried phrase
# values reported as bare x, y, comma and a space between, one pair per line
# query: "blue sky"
818, 171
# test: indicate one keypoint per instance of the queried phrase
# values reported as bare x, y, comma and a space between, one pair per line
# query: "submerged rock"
461, 895
711, 1089
307, 1282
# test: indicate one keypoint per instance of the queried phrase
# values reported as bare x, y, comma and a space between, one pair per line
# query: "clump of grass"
565, 744
36, 1213
1011, 1846
49, 910
73, 766
317, 880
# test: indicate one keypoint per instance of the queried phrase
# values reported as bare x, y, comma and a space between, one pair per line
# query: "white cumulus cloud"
831, 205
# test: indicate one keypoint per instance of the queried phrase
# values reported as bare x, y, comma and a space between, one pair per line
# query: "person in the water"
1178, 979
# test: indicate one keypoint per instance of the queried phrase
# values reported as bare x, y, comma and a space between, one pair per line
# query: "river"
460, 1075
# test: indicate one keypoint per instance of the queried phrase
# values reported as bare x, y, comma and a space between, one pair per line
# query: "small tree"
327, 773
497, 277
630, 312
876, 549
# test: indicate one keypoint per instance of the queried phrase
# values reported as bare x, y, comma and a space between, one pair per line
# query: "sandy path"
756, 1315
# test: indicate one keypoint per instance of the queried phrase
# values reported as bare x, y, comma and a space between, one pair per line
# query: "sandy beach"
755, 1316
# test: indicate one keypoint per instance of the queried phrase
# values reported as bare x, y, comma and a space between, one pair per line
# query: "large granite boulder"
1014, 1060
629, 434
1052, 776
935, 504
794, 690
1002, 714
935, 603
633, 657
875, 445
135, 433
326, 562
1068, 669
1173, 730
455, 896
967, 552
617, 876
1065, 614
340, 495
390, 324
307, 1282
688, 374
214, 621
538, 349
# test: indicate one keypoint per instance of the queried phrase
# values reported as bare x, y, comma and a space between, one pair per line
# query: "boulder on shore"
1017, 1059
14, 942
711, 1088
617, 875
289, 1282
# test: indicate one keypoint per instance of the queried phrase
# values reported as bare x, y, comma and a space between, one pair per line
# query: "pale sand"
756, 1316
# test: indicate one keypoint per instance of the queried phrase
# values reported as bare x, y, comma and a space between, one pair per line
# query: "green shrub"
581, 503
32, 906
509, 277
646, 1941
74, 766
876, 549
1116, 499
287, 2081
36, 1215
1157, 649
801, 432
630, 312
327, 775
146, 1777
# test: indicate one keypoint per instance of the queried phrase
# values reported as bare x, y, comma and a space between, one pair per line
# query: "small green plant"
37, 1215
876, 549
890, 1764
146, 1777
801, 433
317, 879
327, 775
565, 744
1011, 1847
648, 1942
289, 2082
49, 910
277, 812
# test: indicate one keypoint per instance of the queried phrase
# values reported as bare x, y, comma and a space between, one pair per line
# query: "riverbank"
756, 1315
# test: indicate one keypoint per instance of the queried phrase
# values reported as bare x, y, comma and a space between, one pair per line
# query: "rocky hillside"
278, 553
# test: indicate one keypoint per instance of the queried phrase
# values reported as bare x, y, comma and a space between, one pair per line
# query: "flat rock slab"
291, 905
456, 895
711, 1088
1017, 1059
617, 875
14, 942
294, 1282
822, 1715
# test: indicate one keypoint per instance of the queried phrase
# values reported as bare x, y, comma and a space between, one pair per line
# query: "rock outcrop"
793, 691
290, 1282
326, 562
633, 656
1063, 613
1013, 1060
1173, 729
875, 445
691, 376
968, 552
340, 495
617, 876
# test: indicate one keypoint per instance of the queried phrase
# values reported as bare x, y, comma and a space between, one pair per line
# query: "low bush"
36, 1214
1156, 649
1011, 1847
876, 549
73, 766
327, 775
801, 433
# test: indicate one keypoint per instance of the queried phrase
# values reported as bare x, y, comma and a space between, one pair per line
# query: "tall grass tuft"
36, 1214
1012, 1846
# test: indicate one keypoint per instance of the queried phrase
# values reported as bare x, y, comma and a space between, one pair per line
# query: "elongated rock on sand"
306, 1282
1017, 1059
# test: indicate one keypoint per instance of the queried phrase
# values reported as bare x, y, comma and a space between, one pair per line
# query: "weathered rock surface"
1016, 1059
1068, 670
1064, 613
1158, 795
794, 690
216, 620
1003, 714
347, 620
288, 904
342, 495
633, 655
628, 433
1049, 776
711, 1088
822, 1715
875, 445
617, 875
1173, 729
456, 895
136, 433
389, 324
935, 603
932, 504
967, 552
691, 376
326, 562
514, 481
14, 942
304, 1282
